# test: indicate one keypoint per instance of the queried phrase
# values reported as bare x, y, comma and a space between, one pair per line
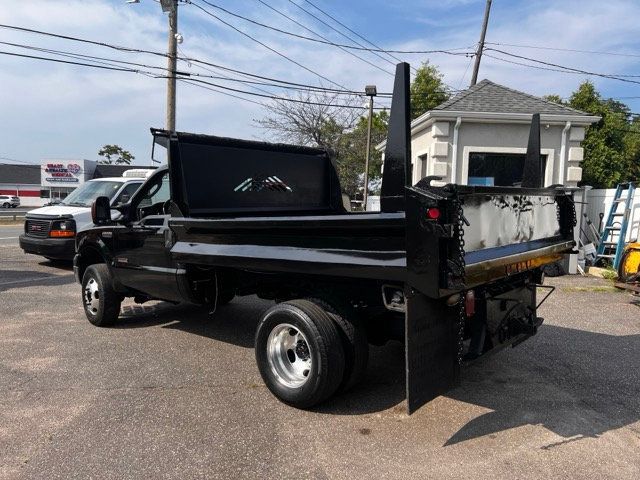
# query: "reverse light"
433, 213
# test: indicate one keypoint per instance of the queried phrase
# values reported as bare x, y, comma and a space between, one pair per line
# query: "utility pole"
170, 7
370, 91
485, 23
172, 62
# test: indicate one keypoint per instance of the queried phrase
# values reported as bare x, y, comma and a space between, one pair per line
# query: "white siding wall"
600, 201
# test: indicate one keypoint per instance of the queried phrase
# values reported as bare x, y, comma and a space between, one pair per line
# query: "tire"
312, 371
6, 205
629, 268
353, 337
101, 303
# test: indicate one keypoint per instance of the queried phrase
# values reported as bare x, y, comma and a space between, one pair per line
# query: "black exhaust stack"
397, 155
532, 174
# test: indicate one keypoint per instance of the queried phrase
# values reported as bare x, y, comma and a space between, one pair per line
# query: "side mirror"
101, 211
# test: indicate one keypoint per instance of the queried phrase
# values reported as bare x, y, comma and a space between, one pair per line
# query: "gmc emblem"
35, 228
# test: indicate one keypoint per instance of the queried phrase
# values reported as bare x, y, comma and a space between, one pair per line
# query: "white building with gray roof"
480, 137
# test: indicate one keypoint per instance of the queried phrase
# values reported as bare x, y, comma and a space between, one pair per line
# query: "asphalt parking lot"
172, 392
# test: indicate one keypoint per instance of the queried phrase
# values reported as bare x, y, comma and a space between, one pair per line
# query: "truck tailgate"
483, 233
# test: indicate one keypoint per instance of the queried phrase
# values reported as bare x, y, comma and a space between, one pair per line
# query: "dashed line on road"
8, 238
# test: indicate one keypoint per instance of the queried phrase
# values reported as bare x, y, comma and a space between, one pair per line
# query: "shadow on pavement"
31, 278
58, 264
236, 324
575, 383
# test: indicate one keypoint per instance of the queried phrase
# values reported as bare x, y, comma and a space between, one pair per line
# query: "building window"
45, 194
501, 169
423, 165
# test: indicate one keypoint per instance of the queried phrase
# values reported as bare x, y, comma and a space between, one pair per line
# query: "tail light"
470, 303
433, 213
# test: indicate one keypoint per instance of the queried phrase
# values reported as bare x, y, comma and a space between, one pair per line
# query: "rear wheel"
6, 205
101, 302
299, 353
353, 337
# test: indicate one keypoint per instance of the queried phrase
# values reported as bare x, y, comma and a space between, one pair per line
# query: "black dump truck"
452, 271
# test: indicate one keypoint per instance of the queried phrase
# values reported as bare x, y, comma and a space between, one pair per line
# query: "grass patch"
609, 274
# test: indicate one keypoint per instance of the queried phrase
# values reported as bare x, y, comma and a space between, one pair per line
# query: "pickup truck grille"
37, 228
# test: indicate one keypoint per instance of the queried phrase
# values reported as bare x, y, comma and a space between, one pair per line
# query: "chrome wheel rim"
289, 355
92, 296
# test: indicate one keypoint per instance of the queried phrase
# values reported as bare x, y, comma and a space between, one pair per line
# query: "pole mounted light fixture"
370, 91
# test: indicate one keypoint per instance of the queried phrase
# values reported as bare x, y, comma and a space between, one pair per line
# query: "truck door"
142, 259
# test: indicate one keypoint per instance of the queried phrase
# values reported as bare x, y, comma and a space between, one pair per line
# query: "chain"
459, 237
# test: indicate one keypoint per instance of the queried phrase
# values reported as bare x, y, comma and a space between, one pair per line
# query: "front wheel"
101, 302
299, 353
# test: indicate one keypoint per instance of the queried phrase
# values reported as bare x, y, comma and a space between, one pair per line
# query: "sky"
54, 111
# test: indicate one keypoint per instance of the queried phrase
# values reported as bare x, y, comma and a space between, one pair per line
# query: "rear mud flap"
431, 348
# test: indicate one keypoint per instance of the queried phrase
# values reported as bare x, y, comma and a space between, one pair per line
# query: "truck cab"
51, 231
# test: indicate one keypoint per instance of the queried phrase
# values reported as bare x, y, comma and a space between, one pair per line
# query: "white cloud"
56, 110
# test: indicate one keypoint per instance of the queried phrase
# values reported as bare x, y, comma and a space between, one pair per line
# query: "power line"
323, 37
224, 87
557, 49
186, 59
266, 46
339, 32
564, 69
388, 52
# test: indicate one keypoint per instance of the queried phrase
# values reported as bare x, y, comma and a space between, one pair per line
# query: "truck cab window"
153, 197
127, 192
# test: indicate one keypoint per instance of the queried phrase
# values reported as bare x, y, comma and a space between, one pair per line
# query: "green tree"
554, 98
632, 148
606, 160
351, 153
115, 154
427, 90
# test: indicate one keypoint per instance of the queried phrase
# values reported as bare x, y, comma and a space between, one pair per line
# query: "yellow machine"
629, 268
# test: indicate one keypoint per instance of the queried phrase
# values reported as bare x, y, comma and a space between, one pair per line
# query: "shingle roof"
487, 96
105, 170
22, 174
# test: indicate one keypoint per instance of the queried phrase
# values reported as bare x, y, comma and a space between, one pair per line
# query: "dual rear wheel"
307, 350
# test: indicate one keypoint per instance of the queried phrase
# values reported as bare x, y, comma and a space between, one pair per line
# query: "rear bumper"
58, 248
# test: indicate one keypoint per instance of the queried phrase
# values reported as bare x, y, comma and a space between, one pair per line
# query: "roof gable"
487, 96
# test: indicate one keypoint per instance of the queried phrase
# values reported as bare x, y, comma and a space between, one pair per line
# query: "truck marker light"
62, 233
433, 213
470, 303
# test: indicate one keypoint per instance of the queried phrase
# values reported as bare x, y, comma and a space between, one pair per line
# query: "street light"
370, 91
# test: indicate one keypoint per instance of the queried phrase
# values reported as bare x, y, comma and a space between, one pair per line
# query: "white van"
50, 231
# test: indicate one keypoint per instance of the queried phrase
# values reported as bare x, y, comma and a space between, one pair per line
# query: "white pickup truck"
51, 231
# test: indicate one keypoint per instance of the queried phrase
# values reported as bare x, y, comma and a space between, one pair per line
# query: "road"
9, 234
173, 392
